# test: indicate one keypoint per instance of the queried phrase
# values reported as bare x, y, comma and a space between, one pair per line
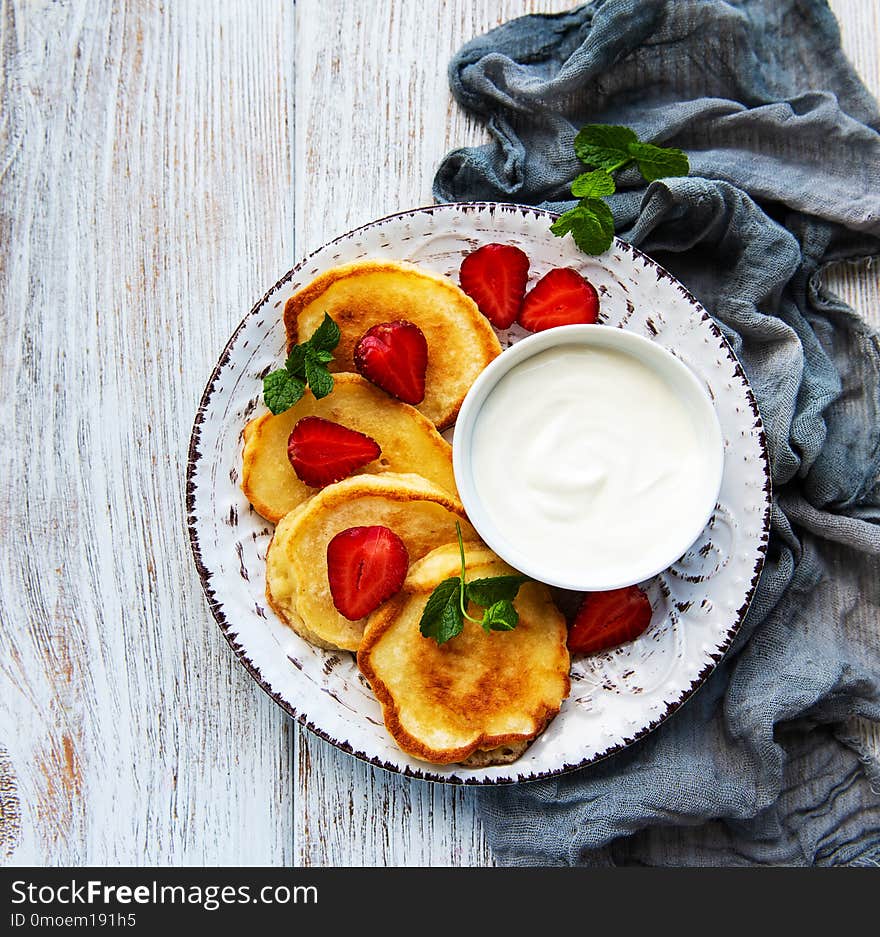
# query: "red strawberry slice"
394, 356
322, 452
495, 277
365, 567
560, 297
606, 619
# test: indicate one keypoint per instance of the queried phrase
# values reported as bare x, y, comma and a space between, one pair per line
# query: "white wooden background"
161, 164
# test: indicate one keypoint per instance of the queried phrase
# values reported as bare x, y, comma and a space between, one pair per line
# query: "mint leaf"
593, 184
590, 224
326, 335
296, 361
494, 593
604, 145
319, 378
501, 616
281, 390
610, 147
603, 215
446, 608
442, 618
564, 222
659, 162
486, 592
306, 364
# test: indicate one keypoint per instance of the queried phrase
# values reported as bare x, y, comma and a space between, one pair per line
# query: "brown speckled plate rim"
226, 627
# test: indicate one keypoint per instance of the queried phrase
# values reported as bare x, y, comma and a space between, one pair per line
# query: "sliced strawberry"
560, 297
495, 277
394, 356
365, 567
606, 619
322, 452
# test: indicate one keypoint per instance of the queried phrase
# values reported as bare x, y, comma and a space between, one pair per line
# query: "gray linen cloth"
761, 766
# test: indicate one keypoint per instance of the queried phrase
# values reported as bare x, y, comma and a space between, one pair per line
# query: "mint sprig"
604, 145
658, 162
306, 366
608, 148
446, 610
442, 618
593, 184
591, 225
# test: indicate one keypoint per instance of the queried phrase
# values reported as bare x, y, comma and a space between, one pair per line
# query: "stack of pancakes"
480, 698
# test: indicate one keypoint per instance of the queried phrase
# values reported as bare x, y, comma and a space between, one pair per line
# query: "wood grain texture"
160, 166
146, 197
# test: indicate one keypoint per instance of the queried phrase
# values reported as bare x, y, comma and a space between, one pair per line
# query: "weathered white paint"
147, 197
152, 177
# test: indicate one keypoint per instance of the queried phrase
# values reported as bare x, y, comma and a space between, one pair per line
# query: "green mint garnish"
442, 618
446, 610
319, 379
281, 390
658, 162
590, 223
306, 365
593, 184
500, 616
604, 146
325, 337
486, 592
609, 148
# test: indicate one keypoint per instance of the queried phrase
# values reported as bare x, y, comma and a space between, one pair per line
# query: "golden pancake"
360, 295
419, 512
479, 697
409, 443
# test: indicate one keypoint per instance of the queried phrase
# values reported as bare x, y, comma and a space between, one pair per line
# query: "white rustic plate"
617, 696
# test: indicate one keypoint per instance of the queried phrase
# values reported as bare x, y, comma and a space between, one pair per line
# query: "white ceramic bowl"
523, 553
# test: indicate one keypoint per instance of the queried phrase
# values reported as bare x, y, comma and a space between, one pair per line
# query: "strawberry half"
606, 619
560, 297
394, 356
322, 452
495, 277
365, 567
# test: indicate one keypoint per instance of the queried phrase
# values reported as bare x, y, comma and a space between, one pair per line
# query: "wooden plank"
146, 192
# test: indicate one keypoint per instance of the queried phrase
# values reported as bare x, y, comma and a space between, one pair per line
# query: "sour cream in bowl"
588, 457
